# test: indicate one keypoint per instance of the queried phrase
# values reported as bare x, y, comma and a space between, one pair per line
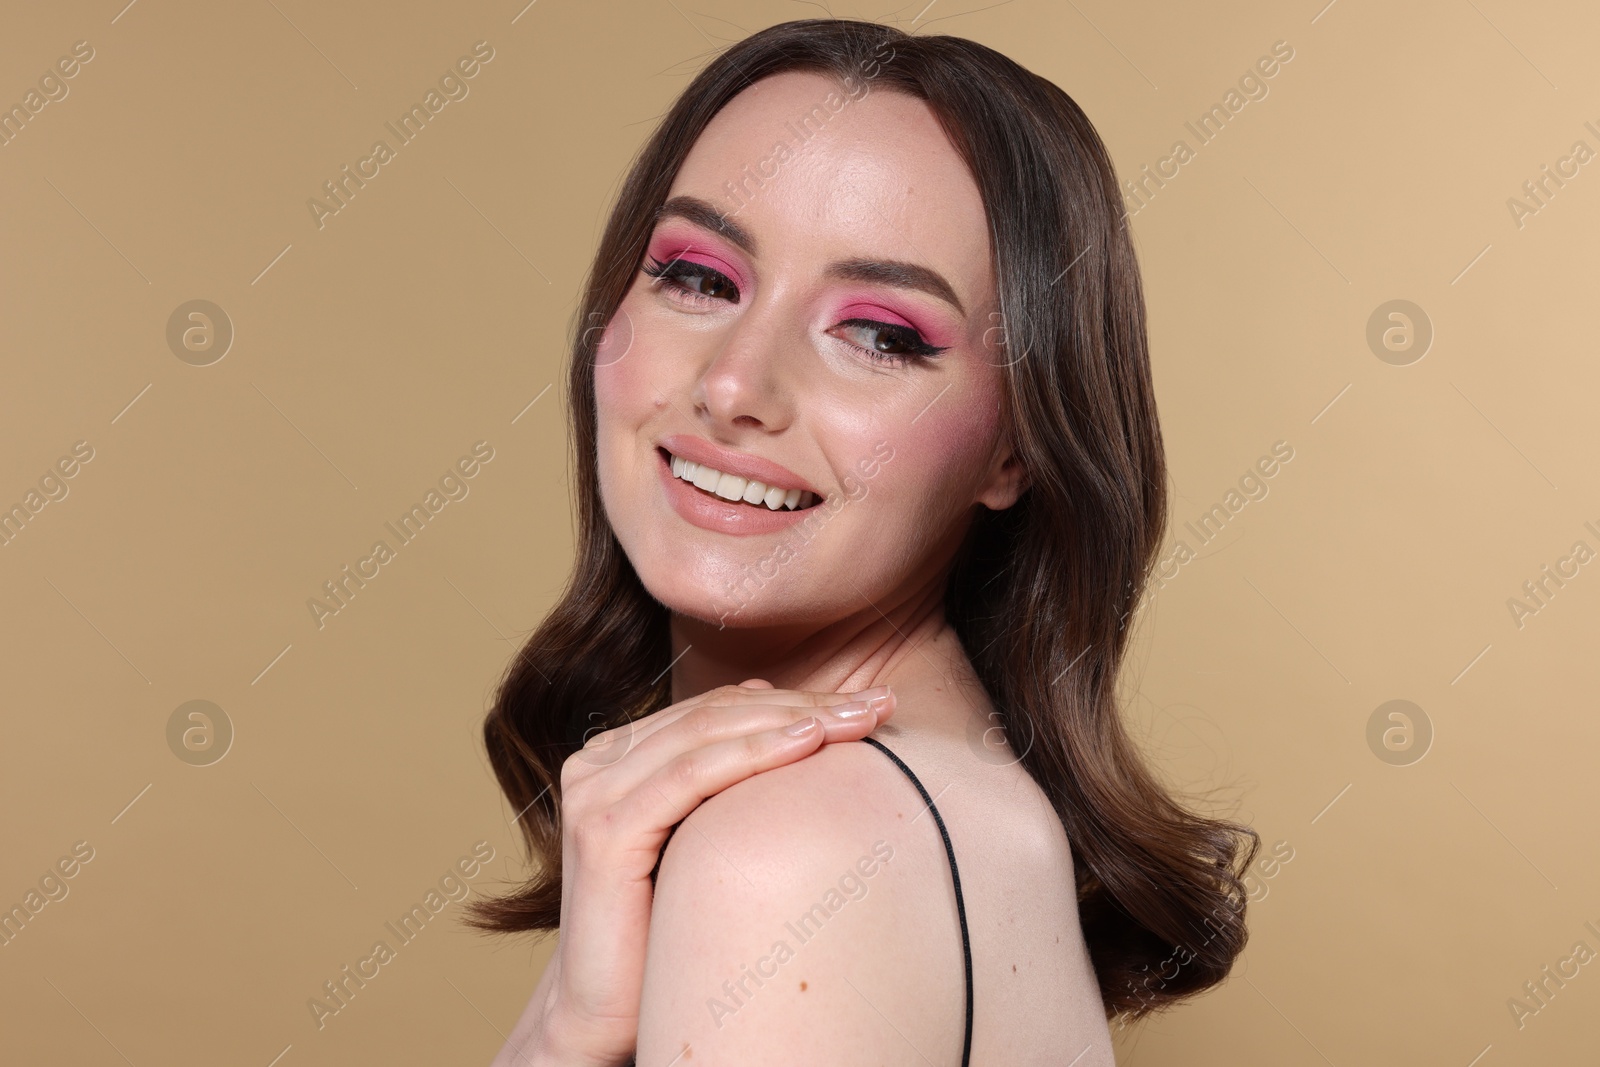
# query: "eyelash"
672, 274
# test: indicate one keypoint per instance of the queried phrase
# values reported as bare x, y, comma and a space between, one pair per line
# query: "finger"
756, 683
606, 747
710, 725
761, 702
796, 697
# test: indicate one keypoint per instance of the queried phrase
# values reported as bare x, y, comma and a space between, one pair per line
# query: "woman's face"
836, 335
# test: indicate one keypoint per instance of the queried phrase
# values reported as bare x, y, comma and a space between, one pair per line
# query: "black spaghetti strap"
955, 878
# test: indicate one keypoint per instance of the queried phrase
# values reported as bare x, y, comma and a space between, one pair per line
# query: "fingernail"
879, 705
801, 728
852, 712
875, 691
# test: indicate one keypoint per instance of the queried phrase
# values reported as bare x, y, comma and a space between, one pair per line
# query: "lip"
709, 512
750, 468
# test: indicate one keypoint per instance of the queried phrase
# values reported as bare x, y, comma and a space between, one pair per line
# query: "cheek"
946, 450
625, 390
625, 399
917, 495
616, 366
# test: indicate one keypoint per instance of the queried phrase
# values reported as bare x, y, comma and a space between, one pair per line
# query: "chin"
693, 588
725, 592
737, 582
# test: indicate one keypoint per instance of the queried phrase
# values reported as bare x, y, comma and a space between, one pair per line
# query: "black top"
955, 878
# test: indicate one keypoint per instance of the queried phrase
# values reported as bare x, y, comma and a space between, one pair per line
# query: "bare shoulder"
792, 917
831, 794
1038, 999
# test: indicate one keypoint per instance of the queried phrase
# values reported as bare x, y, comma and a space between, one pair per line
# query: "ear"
1006, 483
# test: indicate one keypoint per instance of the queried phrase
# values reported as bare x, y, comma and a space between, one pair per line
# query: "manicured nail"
852, 712
875, 691
802, 728
879, 705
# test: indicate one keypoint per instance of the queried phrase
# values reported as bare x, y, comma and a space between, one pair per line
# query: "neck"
908, 645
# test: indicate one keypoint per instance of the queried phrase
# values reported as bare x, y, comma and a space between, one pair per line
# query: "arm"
804, 916
620, 796
530, 1044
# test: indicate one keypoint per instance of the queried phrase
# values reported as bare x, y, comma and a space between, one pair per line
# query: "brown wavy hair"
1040, 593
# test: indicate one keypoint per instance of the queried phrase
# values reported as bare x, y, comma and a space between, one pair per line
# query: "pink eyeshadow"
668, 249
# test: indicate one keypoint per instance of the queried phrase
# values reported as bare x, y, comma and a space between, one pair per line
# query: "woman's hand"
621, 794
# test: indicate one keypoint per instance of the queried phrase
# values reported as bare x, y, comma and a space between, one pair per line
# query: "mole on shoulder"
802, 985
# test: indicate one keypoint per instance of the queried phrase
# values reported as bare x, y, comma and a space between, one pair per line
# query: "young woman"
865, 444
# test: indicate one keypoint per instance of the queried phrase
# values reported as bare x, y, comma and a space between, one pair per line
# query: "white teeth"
732, 487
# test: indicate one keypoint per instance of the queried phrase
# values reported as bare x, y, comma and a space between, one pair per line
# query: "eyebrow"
895, 273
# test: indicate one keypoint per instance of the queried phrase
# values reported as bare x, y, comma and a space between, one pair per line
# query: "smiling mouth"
737, 490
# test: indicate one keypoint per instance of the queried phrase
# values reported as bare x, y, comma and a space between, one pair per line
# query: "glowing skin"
772, 371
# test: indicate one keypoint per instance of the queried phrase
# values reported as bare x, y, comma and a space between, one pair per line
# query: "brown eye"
711, 284
893, 344
693, 280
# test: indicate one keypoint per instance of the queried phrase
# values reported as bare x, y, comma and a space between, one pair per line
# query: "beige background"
433, 309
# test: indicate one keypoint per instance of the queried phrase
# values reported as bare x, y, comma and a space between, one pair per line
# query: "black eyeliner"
918, 348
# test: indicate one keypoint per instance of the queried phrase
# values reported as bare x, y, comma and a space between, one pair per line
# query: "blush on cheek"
642, 372
623, 394
627, 384
614, 340
949, 445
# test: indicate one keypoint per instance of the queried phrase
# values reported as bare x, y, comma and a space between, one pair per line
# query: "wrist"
553, 1036
560, 1043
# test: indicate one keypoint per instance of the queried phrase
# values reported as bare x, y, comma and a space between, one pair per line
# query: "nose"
744, 381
